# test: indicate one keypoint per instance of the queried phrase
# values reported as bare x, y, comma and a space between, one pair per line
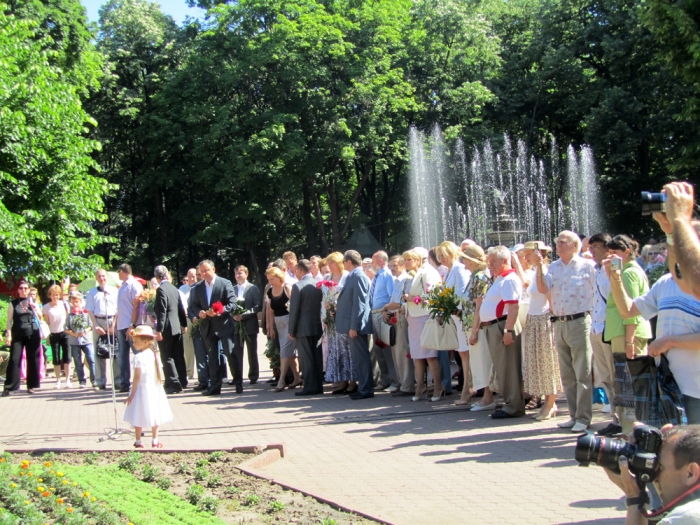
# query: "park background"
259, 126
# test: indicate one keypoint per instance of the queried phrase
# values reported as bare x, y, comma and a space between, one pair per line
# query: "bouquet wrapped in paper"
330, 300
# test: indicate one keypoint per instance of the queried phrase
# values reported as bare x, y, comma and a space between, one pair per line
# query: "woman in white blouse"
55, 314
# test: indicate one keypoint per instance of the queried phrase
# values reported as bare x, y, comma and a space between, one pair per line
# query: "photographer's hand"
625, 480
662, 219
679, 201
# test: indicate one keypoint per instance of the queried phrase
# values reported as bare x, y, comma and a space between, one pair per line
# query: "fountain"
498, 195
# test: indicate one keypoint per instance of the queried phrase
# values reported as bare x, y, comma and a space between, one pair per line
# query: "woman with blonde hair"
457, 277
339, 369
278, 323
56, 314
426, 276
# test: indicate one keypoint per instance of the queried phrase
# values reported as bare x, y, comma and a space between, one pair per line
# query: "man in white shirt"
499, 322
315, 272
101, 304
290, 259
126, 318
571, 279
603, 363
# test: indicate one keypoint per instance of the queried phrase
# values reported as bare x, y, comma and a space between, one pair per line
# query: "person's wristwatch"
506, 330
635, 501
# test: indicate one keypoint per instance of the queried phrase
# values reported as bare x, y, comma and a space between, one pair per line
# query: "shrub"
49, 456
184, 468
164, 483
216, 456
130, 462
252, 500
202, 462
233, 490
149, 473
194, 494
276, 506
209, 504
91, 458
214, 481
200, 474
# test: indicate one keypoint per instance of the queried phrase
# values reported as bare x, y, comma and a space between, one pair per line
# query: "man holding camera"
684, 241
677, 479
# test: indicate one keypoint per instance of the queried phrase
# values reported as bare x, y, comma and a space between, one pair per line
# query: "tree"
51, 197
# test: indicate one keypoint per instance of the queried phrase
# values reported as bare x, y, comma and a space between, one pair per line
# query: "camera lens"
601, 451
653, 202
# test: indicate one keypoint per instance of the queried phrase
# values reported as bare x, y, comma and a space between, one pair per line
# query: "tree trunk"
308, 222
319, 222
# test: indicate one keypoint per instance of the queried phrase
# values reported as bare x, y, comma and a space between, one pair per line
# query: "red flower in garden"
217, 307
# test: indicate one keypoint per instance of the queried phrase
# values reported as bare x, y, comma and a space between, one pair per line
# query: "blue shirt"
398, 287
383, 288
458, 277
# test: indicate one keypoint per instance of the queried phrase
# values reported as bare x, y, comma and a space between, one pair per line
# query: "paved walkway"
402, 462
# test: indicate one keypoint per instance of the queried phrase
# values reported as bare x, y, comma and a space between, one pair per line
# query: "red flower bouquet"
217, 308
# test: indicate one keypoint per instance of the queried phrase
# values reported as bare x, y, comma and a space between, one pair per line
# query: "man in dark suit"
171, 323
352, 317
249, 296
215, 328
306, 329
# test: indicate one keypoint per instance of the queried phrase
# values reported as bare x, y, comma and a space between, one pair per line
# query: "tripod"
116, 432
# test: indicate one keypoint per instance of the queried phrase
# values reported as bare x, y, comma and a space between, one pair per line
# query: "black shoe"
302, 393
102, 387
216, 392
357, 395
401, 393
500, 414
230, 382
124, 390
170, 392
351, 392
253, 381
239, 389
340, 391
200, 388
610, 430
5, 393
273, 381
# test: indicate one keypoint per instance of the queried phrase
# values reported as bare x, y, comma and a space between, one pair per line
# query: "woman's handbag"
42, 325
388, 334
658, 400
436, 336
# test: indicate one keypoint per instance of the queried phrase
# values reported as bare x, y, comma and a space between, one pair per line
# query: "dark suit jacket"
222, 325
252, 302
305, 308
170, 313
353, 307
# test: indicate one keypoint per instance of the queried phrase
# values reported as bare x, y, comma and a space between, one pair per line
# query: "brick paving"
402, 462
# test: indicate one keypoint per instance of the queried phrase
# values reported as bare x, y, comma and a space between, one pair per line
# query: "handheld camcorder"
642, 456
653, 202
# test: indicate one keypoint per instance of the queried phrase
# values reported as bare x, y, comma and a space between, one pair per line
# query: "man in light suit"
249, 296
306, 329
353, 318
171, 323
215, 328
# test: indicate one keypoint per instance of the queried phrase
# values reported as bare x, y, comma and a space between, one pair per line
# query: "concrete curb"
246, 449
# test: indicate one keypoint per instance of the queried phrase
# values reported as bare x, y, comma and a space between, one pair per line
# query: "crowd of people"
521, 325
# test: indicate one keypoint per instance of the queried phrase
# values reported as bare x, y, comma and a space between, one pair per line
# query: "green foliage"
202, 462
130, 462
50, 197
216, 456
149, 473
209, 504
252, 500
200, 474
276, 506
214, 481
194, 494
328, 521
164, 483
91, 457
141, 502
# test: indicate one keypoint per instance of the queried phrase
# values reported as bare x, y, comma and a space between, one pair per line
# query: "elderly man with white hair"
571, 279
499, 321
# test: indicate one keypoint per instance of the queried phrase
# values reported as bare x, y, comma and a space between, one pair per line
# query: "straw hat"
421, 251
475, 254
143, 330
517, 248
537, 245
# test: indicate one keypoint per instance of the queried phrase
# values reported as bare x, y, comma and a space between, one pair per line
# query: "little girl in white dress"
147, 405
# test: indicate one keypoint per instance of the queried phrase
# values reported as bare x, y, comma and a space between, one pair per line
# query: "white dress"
150, 405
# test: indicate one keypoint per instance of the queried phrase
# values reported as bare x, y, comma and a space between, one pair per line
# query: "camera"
642, 457
653, 202
616, 264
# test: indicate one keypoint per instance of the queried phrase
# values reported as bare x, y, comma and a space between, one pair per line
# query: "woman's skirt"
415, 329
287, 348
480, 362
541, 365
339, 365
